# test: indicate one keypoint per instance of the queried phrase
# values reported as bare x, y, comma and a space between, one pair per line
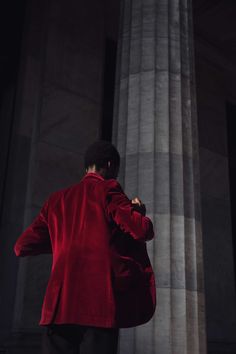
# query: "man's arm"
120, 209
35, 239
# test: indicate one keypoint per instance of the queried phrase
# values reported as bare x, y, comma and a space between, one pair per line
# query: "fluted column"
155, 130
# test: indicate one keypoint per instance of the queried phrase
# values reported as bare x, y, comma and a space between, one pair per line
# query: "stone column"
155, 130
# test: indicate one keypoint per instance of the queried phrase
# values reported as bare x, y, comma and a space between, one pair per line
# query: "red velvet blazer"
101, 274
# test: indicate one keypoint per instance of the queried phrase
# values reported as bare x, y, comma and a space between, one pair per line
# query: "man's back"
101, 275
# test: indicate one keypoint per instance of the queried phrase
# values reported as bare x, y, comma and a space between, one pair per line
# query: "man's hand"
139, 206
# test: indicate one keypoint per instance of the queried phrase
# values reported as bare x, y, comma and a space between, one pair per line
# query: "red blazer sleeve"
35, 239
119, 208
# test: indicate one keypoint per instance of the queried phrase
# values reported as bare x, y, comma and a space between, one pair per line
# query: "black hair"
99, 153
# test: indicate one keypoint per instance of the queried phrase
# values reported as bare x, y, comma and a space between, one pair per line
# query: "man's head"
102, 157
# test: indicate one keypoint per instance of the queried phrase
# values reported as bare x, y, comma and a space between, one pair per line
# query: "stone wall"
216, 78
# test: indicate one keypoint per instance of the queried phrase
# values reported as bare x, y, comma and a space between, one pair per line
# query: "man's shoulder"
104, 186
61, 192
112, 183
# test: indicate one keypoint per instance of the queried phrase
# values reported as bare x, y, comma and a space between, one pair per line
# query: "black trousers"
76, 339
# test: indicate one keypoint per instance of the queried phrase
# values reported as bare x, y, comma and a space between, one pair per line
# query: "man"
101, 277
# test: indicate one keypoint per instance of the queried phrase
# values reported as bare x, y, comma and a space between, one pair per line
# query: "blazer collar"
93, 174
